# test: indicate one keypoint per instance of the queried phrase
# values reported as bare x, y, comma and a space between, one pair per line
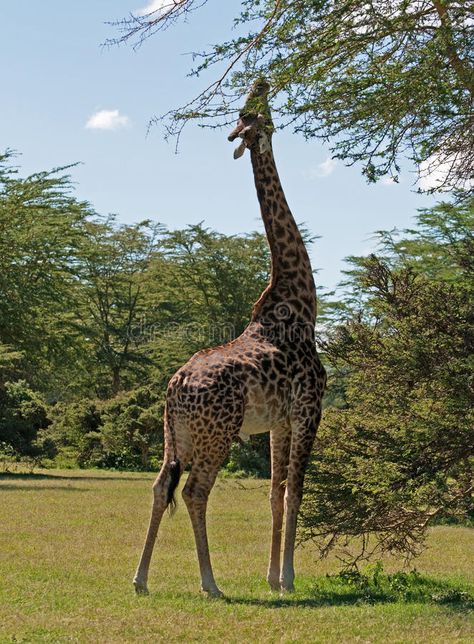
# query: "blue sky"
56, 78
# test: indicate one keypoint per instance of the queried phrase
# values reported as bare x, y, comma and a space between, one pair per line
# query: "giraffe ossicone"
269, 379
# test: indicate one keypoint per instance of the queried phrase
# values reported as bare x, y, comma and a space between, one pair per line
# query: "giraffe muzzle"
242, 131
235, 132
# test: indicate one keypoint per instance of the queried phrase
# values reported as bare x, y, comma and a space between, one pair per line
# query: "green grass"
70, 542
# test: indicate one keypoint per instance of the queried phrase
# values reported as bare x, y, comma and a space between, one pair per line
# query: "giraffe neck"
291, 280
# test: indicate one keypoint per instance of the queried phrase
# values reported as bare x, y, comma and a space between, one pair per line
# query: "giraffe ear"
239, 150
264, 143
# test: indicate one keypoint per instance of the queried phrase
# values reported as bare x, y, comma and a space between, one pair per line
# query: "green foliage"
373, 585
442, 247
22, 415
125, 432
400, 453
90, 310
9, 364
132, 429
379, 80
249, 458
112, 265
205, 284
40, 229
75, 430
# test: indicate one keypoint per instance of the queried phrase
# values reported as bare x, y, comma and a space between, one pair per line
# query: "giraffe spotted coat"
269, 379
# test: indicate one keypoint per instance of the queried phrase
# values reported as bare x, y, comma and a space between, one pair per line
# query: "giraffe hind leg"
163, 496
195, 494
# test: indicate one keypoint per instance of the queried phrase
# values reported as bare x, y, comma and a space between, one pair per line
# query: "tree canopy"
379, 80
396, 452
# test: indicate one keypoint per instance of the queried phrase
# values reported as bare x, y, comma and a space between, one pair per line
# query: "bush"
132, 429
250, 458
22, 414
401, 454
373, 585
125, 432
75, 430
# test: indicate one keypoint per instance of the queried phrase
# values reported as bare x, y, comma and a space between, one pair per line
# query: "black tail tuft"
175, 473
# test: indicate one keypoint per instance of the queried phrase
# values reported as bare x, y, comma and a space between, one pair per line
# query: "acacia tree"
112, 266
41, 226
379, 79
218, 276
399, 452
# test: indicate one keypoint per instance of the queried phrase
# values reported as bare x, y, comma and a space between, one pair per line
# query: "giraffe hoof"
274, 584
140, 587
214, 592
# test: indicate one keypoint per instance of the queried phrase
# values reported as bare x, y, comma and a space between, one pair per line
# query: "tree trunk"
116, 380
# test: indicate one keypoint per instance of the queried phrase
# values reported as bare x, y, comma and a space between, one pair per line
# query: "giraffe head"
255, 125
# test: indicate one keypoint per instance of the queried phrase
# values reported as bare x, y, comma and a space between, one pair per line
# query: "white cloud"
107, 120
163, 6
322, 170
433, 173
443, 173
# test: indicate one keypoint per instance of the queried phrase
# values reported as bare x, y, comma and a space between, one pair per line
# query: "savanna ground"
70, 541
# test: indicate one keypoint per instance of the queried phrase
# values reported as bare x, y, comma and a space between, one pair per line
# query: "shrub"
250, 458
125, 432
132, 429
75, 430
22, 414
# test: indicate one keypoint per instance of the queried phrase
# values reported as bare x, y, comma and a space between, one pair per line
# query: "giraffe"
269, 379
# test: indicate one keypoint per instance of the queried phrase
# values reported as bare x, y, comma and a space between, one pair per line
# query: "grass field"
70, 541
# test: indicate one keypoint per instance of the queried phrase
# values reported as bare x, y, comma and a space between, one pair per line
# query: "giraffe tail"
174, 465
175, 474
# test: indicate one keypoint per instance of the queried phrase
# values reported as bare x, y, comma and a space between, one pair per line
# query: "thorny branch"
379, 80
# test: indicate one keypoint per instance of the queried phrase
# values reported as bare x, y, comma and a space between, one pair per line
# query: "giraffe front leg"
301, 444
280, 447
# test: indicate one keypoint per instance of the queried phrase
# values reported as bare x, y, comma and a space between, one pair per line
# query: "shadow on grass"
32, 476
356, 588
12, 487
